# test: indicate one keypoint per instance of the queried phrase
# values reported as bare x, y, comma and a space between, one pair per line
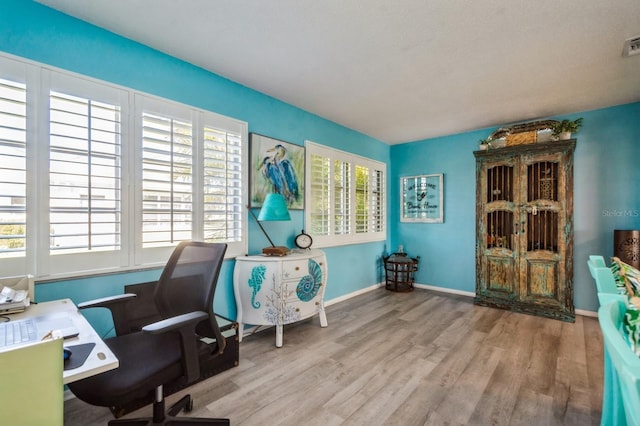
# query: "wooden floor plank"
417, 358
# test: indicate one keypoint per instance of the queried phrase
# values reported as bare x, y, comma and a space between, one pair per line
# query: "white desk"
100, 359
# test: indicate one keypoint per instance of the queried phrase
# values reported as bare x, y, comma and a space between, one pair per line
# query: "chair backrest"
595, 261
605, 283
188, 281
625, 362
31, 389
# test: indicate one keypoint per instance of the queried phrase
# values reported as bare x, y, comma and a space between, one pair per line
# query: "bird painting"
280, 169
287, 173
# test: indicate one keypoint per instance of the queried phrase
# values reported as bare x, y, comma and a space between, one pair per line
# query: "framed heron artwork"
276, 166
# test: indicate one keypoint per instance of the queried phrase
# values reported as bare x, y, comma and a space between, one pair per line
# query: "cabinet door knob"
297, 268
297, 309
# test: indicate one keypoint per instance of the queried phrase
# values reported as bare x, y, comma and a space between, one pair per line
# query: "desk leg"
240, 331
279, 333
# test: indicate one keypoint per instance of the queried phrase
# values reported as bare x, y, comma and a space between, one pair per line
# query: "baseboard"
581, 312
445, 290
586, 313
354, 294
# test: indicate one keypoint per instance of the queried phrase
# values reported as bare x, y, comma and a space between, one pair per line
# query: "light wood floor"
406, 359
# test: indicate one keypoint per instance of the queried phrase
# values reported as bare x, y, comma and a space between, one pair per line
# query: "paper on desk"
9, 295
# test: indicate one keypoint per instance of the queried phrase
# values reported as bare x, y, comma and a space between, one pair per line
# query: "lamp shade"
274, 208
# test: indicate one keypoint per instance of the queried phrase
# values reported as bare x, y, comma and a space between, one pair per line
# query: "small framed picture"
422, 198
276, 166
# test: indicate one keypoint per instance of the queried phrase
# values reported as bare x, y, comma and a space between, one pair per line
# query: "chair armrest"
105, 302
116, 304
175, 323
185, 325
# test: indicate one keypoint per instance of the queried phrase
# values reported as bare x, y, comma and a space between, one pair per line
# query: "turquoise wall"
33, 31
606, 197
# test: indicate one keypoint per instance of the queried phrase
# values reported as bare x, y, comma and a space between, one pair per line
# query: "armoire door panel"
541, 280
501, 276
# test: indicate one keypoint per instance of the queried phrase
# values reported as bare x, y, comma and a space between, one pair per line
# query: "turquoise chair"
597, 261
606, 286
624, 361
612, 409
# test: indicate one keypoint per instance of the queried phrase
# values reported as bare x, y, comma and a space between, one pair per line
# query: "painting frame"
266, 160
422, 198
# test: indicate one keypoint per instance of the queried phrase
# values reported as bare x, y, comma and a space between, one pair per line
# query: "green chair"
624, 361
31, 389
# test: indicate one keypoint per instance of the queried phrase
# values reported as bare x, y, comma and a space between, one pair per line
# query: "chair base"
185, 403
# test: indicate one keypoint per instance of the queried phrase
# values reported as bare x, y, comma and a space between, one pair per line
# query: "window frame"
19, 73
332, 237
199, 120
40, 80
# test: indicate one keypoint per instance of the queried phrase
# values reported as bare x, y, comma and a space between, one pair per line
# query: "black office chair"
167, 350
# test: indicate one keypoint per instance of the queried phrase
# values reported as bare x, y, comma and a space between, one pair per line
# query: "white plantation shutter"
362, 199
13, 152
84, 174
222, 186
167, 185
192, 177
318, 200
347, 197
342, 197
377, 194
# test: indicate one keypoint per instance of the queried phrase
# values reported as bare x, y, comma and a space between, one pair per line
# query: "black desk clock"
303, 240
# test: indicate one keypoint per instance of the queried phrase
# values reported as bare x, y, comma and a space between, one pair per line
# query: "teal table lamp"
273, 208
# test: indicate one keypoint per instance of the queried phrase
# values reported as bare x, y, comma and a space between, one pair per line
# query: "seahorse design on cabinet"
255, 282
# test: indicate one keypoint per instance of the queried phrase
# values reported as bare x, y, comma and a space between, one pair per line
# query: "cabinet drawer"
306, 294
293, 270
306, 281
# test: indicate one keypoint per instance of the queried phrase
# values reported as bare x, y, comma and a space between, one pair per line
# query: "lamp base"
275, 251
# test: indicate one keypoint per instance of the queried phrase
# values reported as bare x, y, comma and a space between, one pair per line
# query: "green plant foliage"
15, 231
567, 126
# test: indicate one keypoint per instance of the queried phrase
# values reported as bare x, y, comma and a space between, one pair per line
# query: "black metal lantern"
400, 272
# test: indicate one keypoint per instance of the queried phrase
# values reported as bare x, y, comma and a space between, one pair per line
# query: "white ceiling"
400, 70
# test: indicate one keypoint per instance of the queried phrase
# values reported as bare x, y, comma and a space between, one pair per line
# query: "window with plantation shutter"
318, 200
167, 185
342, 197
362, 199
377, 195
222, 185
192, 178
13, 153
347, 197
97, 178
84, 174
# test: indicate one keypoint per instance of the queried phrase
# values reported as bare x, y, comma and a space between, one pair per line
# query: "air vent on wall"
631, 46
